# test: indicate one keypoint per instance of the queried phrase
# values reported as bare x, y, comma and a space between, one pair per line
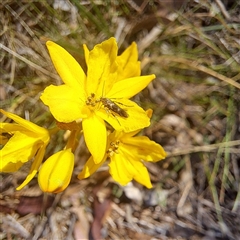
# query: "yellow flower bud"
55, 173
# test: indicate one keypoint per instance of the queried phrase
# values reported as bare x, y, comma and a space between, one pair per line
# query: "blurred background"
193, 48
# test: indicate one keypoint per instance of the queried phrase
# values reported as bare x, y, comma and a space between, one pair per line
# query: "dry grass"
194, 50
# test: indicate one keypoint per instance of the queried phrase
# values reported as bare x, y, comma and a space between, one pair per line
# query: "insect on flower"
111, 106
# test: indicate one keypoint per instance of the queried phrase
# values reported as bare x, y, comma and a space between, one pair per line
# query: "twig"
206, 148
12, 223
223, 9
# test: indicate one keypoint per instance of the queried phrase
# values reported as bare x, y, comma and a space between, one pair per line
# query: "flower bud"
55, 173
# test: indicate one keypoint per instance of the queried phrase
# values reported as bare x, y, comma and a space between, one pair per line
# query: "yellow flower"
101, 95
21, 142
55, 173
126, 154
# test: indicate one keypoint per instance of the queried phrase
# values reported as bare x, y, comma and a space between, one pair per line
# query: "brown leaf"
34, 205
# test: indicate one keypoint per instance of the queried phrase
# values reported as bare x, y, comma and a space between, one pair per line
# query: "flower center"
113, 148
91, 101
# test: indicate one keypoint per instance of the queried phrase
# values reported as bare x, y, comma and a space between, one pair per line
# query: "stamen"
113, 149
91, 100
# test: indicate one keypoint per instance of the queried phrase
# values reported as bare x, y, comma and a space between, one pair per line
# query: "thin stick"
206, 148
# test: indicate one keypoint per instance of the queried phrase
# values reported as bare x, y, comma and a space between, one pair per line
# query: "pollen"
91, 101
113, 148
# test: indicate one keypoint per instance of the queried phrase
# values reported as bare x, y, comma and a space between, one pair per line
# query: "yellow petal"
90, 167
141, 175
143, 148
123, 169
34, 168
67, 67
102, 67
55, 173
26, 140
95, 135
25, 123
130, 55
11, 128
21, 147
8, 167
128, 63
86, 53
119, 169
64, 102
136, 119
129, 87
